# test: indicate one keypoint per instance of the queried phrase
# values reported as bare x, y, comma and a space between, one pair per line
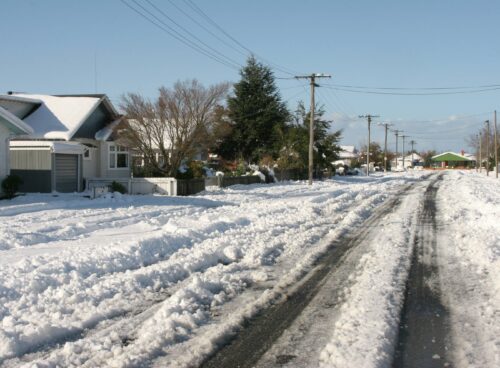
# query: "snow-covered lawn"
138, 280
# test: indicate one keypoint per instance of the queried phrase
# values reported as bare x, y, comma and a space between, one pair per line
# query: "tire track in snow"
263, 330
424, 339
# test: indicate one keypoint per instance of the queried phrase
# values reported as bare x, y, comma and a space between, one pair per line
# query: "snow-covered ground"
150, 280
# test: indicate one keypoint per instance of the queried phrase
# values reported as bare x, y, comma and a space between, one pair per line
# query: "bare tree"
173, 128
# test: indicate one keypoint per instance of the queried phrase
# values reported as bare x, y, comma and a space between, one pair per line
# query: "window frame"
115, 150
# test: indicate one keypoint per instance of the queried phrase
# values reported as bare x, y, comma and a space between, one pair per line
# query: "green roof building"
453, 160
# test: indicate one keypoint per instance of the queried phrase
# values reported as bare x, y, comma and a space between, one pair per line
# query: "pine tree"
256, 113
326, 146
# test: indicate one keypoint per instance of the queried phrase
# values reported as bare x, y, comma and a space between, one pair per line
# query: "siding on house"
30, 160
4, 152
34, 168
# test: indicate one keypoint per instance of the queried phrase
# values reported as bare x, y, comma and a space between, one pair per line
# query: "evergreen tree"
296, 140
256, 114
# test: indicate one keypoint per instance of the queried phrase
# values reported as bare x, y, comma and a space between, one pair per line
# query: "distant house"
452, 160
72, 140
410, 160
10, 126
346, 155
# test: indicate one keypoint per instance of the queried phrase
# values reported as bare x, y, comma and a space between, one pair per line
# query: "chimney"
462, 152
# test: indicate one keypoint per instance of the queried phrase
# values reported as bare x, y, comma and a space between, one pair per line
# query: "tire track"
423, 339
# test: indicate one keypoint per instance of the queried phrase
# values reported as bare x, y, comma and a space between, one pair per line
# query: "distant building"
452, 160
346, 155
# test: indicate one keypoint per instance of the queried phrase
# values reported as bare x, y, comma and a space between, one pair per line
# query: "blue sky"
60, 46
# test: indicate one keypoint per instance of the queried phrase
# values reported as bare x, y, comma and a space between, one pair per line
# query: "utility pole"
487, 122
312, 79
404, 136
477, 152
396, 133
369, 118
386, 126
480, 152
412, 143
496, 146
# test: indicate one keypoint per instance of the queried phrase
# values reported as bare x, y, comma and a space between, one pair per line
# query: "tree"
294, 140
376, 155
427, 157
255, 113
173, 128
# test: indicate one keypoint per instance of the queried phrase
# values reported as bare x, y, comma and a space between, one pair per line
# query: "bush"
117, 187
10, 185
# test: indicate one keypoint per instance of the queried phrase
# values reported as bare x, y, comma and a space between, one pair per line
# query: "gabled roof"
450, 156
13, 123
60, 117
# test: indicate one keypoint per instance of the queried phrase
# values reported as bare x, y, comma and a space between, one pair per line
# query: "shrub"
117, 187
10, 185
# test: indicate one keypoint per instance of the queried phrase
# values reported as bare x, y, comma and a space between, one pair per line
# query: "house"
10, 126
453, 160
346, 155
410, 160
73, 140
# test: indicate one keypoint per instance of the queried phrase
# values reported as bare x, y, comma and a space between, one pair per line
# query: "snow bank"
117, 281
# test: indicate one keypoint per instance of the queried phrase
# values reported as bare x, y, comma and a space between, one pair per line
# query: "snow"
18, 126
123, 280
472, 252
58, 117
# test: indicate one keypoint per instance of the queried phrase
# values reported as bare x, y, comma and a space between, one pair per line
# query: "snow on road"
148, 280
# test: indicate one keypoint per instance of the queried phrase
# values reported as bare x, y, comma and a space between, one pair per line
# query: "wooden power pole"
412, 142
487, 122
404, 136
496, 146
396, 133
386, 126
312, 79
480, 152
369, 118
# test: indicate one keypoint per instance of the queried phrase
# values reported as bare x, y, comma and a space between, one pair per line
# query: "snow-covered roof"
13, 123
347, 152
53, 146
59, 117
105, 133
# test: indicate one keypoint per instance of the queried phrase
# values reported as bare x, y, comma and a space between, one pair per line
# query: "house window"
118, 157
87, 154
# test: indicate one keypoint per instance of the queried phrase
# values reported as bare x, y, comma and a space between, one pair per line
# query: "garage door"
66, 173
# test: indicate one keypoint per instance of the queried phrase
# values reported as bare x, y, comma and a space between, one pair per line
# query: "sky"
70, 46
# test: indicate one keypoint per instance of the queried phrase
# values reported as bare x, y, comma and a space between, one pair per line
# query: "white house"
10, 126
84, 123
346, 155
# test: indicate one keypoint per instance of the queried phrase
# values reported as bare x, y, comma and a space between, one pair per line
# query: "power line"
190, 33
416, 88
173, 33
411, 93
200, 12
206, 29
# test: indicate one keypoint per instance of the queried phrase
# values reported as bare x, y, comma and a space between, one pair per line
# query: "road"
276, 337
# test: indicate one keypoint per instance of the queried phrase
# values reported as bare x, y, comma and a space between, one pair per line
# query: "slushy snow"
149, 280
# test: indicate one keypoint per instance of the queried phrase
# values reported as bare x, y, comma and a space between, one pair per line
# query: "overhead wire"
200, 12
410, 93
190, 33
173, 33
